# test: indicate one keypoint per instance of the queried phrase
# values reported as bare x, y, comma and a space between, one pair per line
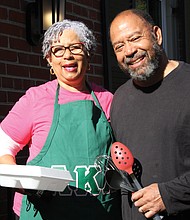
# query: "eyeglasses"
59, 50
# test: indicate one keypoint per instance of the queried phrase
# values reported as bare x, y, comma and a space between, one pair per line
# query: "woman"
65, 123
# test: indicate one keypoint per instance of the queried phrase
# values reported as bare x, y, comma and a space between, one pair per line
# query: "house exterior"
22, 65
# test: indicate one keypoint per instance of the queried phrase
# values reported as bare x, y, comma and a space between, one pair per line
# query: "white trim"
8, 145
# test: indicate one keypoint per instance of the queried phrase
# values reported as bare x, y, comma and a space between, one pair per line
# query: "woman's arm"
8, 148
7, 159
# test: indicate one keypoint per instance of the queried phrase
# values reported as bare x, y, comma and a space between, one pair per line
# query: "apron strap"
98, 104
95, 98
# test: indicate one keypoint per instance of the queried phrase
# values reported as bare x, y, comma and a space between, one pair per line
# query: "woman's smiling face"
70, 68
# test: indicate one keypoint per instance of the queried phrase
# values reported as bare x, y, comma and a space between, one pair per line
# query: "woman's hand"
7, 159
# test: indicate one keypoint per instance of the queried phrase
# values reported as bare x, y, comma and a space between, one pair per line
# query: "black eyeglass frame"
69, 47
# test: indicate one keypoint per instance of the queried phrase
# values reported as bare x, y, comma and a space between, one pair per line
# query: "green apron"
78, 134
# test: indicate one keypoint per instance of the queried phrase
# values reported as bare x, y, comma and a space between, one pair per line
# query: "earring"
51, 71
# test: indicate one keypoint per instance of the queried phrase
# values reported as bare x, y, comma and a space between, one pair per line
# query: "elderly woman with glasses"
65, 123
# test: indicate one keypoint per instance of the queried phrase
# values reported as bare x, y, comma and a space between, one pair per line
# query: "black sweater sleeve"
176, 194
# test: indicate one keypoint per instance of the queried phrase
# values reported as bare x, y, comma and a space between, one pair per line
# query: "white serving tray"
34, 177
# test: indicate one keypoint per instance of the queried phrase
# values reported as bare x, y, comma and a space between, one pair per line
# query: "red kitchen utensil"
123, 159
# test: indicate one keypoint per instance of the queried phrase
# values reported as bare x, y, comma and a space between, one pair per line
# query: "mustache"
135, 57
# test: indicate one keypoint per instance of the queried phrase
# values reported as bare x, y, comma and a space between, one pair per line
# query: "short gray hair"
53, 33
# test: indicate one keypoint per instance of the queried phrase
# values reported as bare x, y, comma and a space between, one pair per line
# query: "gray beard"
149, 69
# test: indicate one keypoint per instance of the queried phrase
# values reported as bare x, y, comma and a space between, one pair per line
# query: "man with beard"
150, 114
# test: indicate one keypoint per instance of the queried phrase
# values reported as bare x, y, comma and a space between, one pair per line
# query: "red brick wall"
22, 66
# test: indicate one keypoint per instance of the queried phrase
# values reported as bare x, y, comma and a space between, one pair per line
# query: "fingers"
136, 196
148, 200
147, 213
145, 205
141, 210
142, 205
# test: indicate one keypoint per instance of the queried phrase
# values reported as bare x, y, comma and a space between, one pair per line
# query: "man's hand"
148, 200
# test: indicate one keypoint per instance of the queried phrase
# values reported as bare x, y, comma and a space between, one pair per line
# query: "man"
150, 114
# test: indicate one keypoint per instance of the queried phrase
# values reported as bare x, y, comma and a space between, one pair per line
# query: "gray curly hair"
53, 33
